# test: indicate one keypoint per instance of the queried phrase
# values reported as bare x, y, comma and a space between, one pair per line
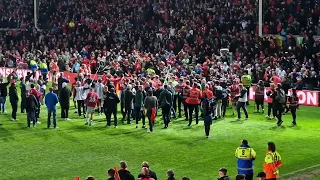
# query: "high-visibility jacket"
246, 80
194, 96
185, 92
245, 157
33, 62
208, 93
272, 163
43, 67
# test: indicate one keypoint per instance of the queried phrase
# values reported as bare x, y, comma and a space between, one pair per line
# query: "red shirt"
92, 99
34, 92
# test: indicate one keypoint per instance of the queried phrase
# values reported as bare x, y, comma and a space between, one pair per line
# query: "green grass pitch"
75, 149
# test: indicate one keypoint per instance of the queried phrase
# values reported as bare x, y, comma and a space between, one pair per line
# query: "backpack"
281, 97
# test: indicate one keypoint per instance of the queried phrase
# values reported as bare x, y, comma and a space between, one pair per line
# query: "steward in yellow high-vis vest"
245, 156
272, 162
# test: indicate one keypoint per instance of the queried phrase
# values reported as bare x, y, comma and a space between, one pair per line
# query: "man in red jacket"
193, 102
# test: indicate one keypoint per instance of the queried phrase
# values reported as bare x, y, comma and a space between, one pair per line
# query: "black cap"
261, 174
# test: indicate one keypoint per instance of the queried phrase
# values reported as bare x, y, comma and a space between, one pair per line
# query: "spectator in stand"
151, 173
223, 174
124, 173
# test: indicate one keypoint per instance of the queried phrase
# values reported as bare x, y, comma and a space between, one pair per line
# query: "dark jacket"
111, 101
151, 174
60, 81
32, 104
3, 89
13, 95
224, 178
165, 98
64, 97
128, 98
23, 90
125, 175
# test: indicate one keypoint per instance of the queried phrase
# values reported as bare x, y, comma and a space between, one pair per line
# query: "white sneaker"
246, 118
38, 122
238, 119
90, 123
116, 127
148, 131
13, 119
67, 119
268, 117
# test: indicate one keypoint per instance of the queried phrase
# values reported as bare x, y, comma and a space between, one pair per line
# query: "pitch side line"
301, 170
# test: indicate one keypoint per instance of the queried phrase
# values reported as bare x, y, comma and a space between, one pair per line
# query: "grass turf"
75, 149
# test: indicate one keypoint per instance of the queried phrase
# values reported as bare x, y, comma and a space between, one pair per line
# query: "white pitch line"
301, 170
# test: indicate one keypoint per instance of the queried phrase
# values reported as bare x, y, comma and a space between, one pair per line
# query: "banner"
307, 98
20, 72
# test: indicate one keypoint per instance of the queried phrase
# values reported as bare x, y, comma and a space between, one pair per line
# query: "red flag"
153, 114
116, 174
77, 178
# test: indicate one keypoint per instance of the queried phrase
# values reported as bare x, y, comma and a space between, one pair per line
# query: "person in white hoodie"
80, 96
99, 90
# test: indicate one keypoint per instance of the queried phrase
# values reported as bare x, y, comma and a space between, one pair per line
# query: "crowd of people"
245, 159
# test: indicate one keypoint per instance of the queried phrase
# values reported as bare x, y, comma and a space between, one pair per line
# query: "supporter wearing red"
73, 90
91, 102
185, 93
193, 102
259, 96
178, 97
270, 104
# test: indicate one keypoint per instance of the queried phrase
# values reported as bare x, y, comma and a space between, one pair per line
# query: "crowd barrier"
307, 98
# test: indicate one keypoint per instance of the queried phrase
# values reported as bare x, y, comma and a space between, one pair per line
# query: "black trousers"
224, 106
191, 108
14, 106
81, 105
207, 128
243, 106
127, 113
249, 176
248, 91
64, 112
185, 109
108, 114
269, 110
23, 104
293, 110
177, 99
278, 113
139, 114
166, 115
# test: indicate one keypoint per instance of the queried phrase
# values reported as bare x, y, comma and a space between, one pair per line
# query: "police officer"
245, 156
293, 105
193, 102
